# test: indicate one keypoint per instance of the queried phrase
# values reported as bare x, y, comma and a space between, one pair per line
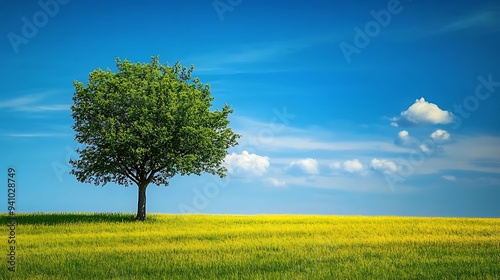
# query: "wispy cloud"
19, 102
36, 135
274, 136
31, 104
225, 62
45, 108
463, 154
485, 19
488, 20
449, 178
473, 147
342, 156
275, 182
350, 182
295, 143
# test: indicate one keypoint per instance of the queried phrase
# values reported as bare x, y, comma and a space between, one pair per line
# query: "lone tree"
146, 123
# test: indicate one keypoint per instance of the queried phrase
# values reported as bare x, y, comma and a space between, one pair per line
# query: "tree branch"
131, 176
151, 176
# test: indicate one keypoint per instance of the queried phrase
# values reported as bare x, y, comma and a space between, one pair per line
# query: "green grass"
114, 246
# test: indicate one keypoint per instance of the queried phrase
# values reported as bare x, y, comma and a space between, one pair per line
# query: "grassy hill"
113, 246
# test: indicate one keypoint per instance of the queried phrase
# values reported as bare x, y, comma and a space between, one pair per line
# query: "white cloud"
449, 177
353, 165
403, 135
350, 166
275, 182
423, 112
440, 135
383, 165
246, 164
404, 138
335, 165
306, 166
424, 148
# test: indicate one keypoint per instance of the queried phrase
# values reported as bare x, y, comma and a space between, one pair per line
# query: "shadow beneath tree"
70, 218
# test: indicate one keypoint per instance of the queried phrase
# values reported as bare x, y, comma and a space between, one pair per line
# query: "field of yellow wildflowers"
114, 246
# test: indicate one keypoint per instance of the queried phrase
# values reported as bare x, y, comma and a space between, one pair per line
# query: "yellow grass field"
114, 246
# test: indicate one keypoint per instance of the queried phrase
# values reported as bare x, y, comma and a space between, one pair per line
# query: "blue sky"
345, 107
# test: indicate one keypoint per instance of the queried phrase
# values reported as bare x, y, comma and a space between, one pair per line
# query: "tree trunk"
141, 205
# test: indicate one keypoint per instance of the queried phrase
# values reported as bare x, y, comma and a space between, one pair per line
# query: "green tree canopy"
146, 123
